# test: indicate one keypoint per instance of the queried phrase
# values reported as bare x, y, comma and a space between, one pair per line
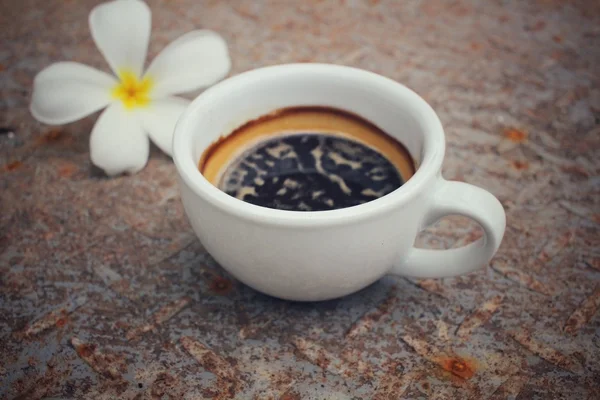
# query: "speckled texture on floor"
106, 293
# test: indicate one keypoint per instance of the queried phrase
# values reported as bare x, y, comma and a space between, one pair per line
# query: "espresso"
307, 159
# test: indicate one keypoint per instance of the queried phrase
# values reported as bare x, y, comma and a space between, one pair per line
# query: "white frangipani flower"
137, 104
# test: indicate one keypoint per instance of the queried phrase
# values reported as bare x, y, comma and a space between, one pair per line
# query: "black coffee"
307, 159
310, 172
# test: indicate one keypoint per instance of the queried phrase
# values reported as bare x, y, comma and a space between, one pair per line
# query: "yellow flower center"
132, 91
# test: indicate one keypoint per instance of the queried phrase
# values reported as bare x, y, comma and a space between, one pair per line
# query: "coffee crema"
307, 159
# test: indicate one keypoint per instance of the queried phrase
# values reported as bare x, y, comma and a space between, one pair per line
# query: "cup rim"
431, 162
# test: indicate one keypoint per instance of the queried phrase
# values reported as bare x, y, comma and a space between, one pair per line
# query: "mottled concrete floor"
106, 293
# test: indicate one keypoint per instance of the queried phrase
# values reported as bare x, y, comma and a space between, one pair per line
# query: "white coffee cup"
319, 255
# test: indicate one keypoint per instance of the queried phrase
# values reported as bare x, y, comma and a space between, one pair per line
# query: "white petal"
159, 119
66, 91
121, 30
195, 60
118, 143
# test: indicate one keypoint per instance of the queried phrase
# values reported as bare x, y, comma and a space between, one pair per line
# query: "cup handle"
458, 198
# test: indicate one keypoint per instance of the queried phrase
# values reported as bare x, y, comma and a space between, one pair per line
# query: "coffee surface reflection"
307, 159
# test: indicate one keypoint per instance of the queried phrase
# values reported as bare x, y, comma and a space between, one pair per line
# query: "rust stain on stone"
54, 319
583, 313
244, 11
167, 385
594, 263
515, 135
433, 286
84, 350
66, 169
520, 165
48, 321
254, 327
478, 317
546, 352
461, 367
167, 312
290, 396
366, 322
228, 382
105, 364
52, 136
522, 278
221, 286
475, 46
576, 170
316, 354
13, 165
355, 363
555, 246
159, 317
138, 331
458, 366
47, 383
538, 26
209, 360
321, 357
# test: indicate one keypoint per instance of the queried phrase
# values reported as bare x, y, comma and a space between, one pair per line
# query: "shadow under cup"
307, 159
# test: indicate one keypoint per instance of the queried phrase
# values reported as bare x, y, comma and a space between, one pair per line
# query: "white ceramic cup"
319, 255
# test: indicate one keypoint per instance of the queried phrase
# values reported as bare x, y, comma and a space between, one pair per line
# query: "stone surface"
106, 293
